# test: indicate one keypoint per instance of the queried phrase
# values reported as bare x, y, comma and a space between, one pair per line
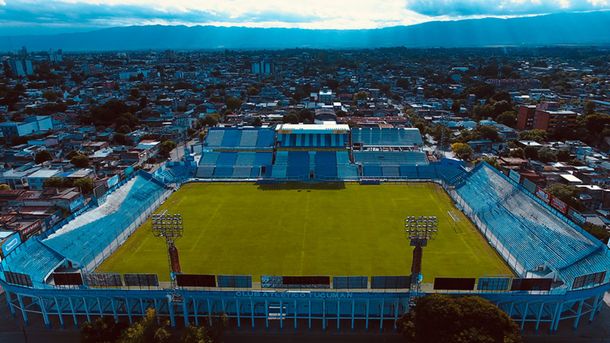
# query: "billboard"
350, 282
544, 196
103, 280
576, 216
529, 185
390, 282
67, 279
141, 280
514, 175
493, 284
10, 243
534, 284
589, 280
454, 283
112, 181
234, 281
18, 279
195, 280
559, 205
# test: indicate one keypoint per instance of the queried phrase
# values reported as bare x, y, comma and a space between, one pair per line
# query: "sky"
53, 16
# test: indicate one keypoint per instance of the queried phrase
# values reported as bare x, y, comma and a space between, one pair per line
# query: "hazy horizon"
24, 17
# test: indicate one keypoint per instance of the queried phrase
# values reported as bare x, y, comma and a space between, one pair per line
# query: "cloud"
341, 14
46, 16
465, 8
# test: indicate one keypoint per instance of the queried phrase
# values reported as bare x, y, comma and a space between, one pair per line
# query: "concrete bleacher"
395, 137
81, 240
240, 138
534, 235
35, 259
393, 158
325, 164
298, 165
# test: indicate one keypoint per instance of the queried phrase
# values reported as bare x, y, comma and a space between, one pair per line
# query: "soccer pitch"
309, 229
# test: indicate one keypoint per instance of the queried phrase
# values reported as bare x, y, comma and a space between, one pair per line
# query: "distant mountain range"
591, 28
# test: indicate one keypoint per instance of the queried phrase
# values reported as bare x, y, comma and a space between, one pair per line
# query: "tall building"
325, 96
262, 67
20, 67
545, 116
525, 118
56, 56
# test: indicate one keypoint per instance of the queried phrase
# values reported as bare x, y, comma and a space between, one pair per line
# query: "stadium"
304, 226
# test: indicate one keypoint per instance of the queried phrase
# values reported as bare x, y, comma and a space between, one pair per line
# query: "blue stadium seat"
231, 138
205, 172
214, 137
390, 171
326, 164
223, 172
35, 259
84, 243
226, 159
372, 171
245, 159
529, 230
209, 158
248, 138
298, 165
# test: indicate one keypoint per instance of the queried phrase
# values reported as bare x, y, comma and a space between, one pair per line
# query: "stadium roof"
312, 128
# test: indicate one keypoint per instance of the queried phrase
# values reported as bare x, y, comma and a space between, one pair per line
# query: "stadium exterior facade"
560, 269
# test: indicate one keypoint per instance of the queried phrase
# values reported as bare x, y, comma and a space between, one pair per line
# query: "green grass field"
304, 229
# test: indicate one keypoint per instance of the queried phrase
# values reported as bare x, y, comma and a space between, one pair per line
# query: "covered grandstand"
88, 239
409, 138
236, 153
532, 237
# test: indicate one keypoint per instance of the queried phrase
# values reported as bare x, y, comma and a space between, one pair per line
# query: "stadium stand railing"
93, 236
531, 237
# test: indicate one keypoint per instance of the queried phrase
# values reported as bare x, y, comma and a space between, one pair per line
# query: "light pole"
169, 227
419, 229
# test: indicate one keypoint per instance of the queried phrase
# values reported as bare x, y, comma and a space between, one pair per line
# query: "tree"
547, 155
42, 156
488, 132
121, 139
210, 120
147, 330
290, 118
598, 232
85, 185
361, 96
79, 160
563, 155
517, 152
54, 181
533, 135
508, 118
402, 83
232, 103
589, 107
565, 193
195, 334
462, 150
442, 318
102, 330
166, 147
491, 161
530, 152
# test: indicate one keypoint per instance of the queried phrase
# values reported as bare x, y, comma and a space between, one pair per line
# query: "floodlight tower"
420, 230
169, 227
